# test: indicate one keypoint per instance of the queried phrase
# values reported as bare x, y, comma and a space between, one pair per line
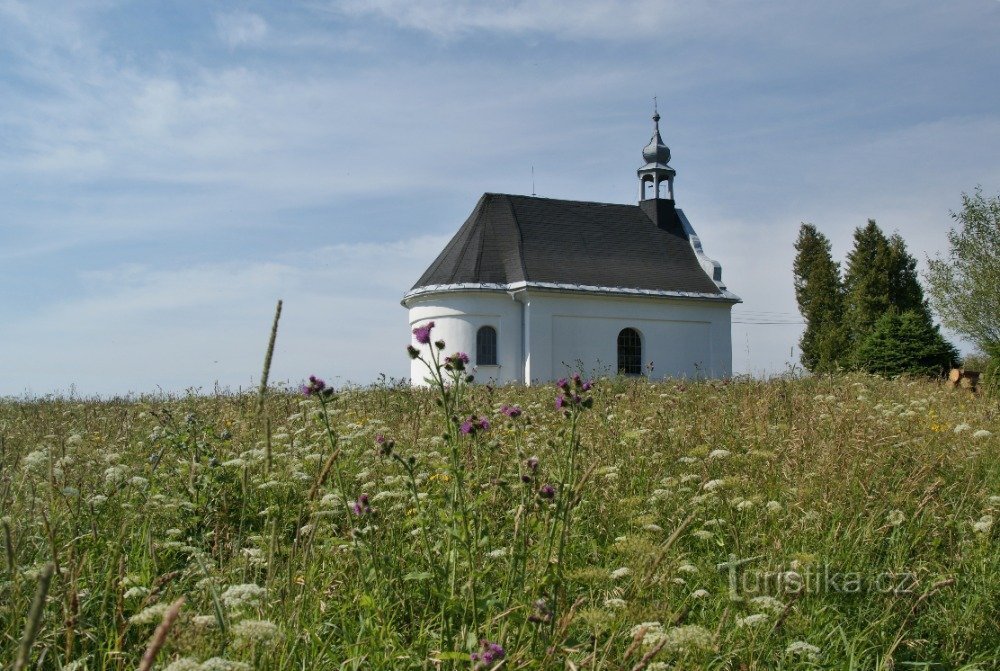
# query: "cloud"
138, 327
241, 28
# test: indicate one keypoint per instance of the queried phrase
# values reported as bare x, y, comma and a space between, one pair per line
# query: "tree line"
874, 315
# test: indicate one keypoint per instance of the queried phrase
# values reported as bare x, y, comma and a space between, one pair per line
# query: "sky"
169, 170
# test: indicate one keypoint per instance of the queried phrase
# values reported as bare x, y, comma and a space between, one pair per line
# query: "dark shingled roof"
509, 239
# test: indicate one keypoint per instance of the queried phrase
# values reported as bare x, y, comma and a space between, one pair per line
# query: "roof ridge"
559, 200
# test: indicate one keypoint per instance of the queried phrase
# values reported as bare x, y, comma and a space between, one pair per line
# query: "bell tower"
656, 171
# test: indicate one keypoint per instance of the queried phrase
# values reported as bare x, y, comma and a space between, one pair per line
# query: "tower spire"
656, 169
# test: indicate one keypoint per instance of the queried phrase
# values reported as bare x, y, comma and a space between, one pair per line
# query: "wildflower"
702, 534
802, 649
687, 568
765, 603
773, 507
982, 433
688, 638
983, 525
512, 411
655, 528
314, 387
222, 664
699, 594
135, 592
473, 425
237, 596
614, 603
712, 485
896, 518
497, 554
547, 491
532, 464
423, 333
563, 384
751, 620
489, 653
619, 573
252, 631
457, 361
151, 614
994, 500
560, 402
719, 454
205, 621
439, 344
179, 664
361, 506
542, 612
412, 351
962, 427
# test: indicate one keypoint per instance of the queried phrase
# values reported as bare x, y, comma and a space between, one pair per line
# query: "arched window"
486, 346
629, 352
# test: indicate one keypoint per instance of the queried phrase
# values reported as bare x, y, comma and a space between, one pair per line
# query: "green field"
857, 515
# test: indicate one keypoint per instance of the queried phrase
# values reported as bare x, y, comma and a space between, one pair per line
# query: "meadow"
829, 522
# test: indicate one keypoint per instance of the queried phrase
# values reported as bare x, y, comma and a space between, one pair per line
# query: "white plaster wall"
682, 338
457, 317
565, 332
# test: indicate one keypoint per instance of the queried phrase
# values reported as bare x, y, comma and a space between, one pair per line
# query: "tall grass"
463, 526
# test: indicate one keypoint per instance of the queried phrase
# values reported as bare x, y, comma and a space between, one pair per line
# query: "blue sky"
169, 170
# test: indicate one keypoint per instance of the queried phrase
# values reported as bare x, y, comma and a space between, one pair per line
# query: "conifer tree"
819, 293
867, 280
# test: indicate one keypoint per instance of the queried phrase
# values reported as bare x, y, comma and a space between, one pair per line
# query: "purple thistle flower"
423, 333
490, 653
560, 402
315, 386
587, 386
547, 491
467, 427
361, 507
576, 379
484, 424
563, 384
532, 463
512, 411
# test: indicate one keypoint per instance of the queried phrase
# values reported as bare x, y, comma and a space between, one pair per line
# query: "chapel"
534, 289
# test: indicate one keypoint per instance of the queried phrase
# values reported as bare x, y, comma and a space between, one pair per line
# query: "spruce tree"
867, 280
904, 343
819, 293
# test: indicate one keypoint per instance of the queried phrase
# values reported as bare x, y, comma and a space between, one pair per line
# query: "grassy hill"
385, 528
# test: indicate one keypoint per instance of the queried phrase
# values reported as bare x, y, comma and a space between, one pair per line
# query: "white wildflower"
719, 454
114, 475
751, 620
181, 664
75, 439
236, 596
620, 572
34, 461
699, 594
151, 614
252, 631
497, 554
655, 528
205, 621
653, 633
689, 638
962, 427
614, 603
138, 482
896, 518
983, 525
221, 664
712, 485
687, 460
773, 507
994, 500
687, 568
767, 603
802, 649
982, 433
77, 664
135, 592
702, 534
745, 504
